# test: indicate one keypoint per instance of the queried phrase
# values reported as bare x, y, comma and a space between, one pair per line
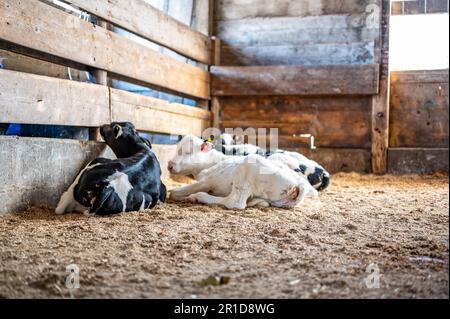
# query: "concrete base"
37, 171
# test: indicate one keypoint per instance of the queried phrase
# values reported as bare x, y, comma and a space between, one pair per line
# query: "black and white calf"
235, 182
317, 176
132, 182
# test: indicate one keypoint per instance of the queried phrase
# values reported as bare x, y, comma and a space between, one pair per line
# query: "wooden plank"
419, 115
425, 76
414, 7
298, 80
34, 99
141, 18
339, 159
308, 54
296, 31
41, 27
22, 63
155, 115
241, 9
417, 160
380, 103
337, 121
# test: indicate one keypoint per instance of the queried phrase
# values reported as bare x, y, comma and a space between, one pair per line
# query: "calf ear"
206, 147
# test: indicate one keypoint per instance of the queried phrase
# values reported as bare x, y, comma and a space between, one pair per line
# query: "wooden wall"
309, 33
293, 32
419, 121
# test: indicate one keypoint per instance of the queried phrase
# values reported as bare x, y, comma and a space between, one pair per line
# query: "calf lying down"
132, 182
317, 176
235, 181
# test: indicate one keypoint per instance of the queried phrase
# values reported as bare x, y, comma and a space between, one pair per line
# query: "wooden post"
380, 102
215, 104
101, 78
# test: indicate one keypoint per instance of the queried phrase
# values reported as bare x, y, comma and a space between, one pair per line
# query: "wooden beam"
295, 80
155, 115
41, 27
141, 18
101, 78
34, 99
417, 160
215, 103
380, 103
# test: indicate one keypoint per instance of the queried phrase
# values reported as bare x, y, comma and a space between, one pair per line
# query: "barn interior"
360, 86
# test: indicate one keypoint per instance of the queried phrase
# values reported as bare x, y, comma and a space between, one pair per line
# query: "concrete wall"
36, 171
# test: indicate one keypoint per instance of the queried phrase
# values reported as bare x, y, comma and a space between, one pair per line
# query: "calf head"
192, 156
91, 189
123, 139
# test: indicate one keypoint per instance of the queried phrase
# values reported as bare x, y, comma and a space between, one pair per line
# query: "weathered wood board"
303, 32
143, 19
298, 80
41, 27
22, 63
308, 54
33, 99
150, 114
334, 121
417, 160
241, 9
419, 109
339, 159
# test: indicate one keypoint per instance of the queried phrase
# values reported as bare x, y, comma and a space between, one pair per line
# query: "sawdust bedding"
395, 226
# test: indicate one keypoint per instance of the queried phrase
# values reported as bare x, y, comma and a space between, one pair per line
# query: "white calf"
235, 181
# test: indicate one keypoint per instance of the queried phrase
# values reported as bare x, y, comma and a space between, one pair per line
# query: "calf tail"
162, 192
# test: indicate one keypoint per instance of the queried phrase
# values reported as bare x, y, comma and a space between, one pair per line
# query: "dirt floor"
394, 226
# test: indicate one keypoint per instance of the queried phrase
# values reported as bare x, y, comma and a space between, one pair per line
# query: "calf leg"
183, 192
236, 200
258, 202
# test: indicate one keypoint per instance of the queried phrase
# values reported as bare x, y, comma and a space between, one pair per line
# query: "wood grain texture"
297, 32
418, 160
420, 76
380, 103
143, 19
334, 121
241, 9
22, 63
308, 54
155, 115
41, 27
339, 159
419, 110
33, 99
299, 80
